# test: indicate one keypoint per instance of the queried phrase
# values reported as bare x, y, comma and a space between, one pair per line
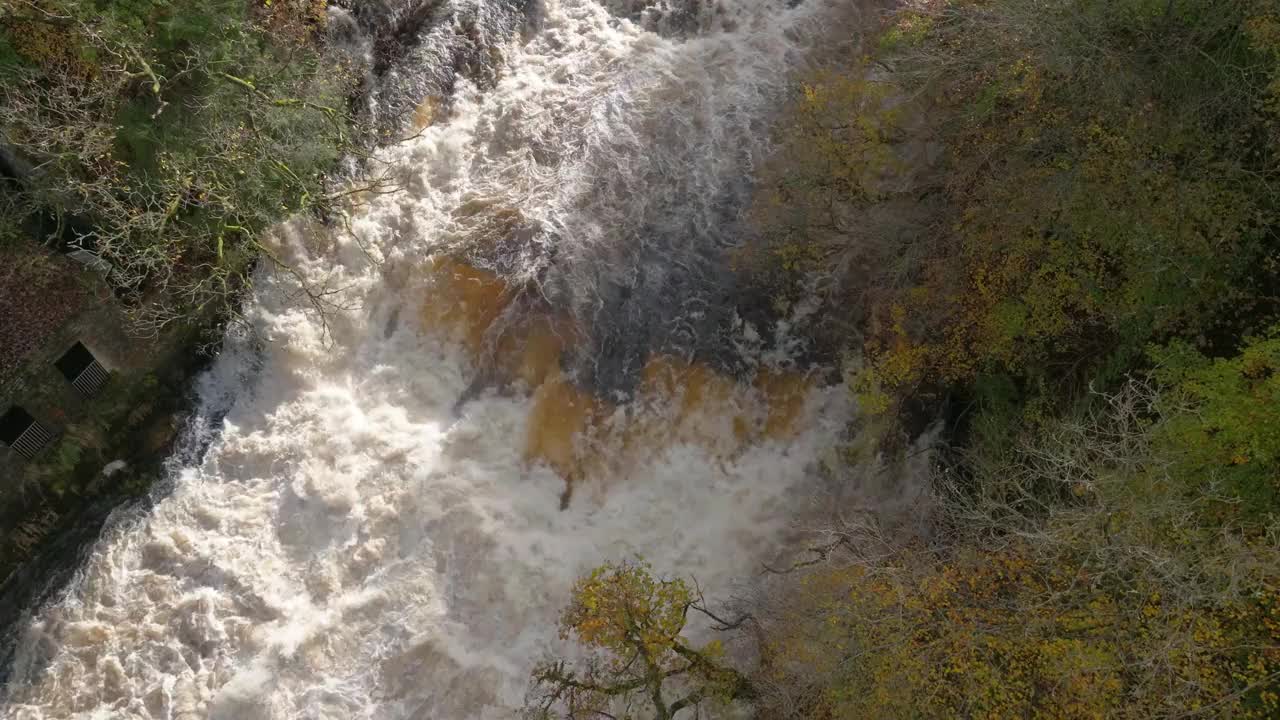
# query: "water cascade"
536, 361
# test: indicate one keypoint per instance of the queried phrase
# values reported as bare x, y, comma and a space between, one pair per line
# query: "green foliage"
1090, 275
1227, 429
1108, 184
9, 56
62, 465
179, 130
1082, 573
911, 28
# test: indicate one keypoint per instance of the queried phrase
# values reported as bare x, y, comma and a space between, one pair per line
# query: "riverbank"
1082, 282
180, 200
148, 148
111, 450
109, 484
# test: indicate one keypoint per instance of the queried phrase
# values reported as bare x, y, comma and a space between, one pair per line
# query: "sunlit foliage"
640, 664
1226, 429
996, 634
165, 136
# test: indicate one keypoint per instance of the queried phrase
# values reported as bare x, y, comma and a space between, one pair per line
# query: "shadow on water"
420, 49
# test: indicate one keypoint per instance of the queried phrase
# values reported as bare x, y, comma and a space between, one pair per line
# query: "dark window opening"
74, 361
21, 432
13, 423
82, 370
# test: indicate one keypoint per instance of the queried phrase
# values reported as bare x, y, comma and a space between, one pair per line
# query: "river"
537, 357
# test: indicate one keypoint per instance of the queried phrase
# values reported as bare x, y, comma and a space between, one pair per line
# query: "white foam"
348, 547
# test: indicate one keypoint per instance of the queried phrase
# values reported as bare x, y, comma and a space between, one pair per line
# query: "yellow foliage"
1006, 634
51, 45
631, 623
843, 125
617, 607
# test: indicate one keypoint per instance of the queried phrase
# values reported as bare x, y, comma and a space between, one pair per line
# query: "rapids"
544, 316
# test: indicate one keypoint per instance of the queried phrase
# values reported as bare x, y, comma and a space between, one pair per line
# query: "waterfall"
534, 361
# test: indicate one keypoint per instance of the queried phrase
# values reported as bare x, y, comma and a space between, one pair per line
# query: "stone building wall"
40, 389
131, 416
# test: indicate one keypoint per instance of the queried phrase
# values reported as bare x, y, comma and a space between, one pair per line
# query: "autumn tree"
1115, 562
638, 663
1032, 192
1082, 282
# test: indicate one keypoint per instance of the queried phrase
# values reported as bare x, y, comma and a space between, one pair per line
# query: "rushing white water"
357, 543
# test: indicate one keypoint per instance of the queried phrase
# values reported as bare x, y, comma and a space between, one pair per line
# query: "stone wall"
131, 416
41, 390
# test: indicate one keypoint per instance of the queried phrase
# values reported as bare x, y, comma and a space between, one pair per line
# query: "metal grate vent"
90, 380
21, 432
32, 440
82, 370
90, 259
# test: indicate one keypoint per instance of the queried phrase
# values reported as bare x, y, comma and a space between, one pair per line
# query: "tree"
1034, 191
1101, 564
1086, 299
169, 137
639, 664
1225, 422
